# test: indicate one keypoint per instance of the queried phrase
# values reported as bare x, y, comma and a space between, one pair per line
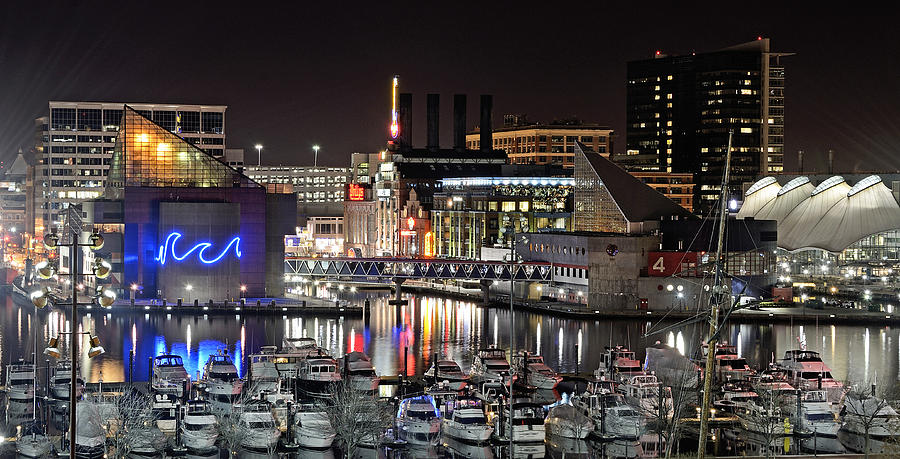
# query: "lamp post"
316, 158
105, 297
258, 154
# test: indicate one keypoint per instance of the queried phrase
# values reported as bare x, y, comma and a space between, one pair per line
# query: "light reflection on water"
428, 326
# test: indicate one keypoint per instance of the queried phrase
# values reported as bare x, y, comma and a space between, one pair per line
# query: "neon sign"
168, 249
356, 192
429, 244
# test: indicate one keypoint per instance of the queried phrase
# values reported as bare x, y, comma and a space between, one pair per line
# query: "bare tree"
869, 416
357, 418
767, 419
130, 414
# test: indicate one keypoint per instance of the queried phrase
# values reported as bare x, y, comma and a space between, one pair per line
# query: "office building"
320, 190
76, 141
681, 108
544, 143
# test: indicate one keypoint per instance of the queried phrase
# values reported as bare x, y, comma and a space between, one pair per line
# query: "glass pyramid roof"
148, 155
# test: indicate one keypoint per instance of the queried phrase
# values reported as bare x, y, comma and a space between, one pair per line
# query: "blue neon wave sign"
167, 249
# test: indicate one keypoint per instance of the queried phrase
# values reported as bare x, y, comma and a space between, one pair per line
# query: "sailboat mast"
719, 293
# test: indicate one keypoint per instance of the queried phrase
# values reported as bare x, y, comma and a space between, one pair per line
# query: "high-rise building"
527, 142
680, 110
76, 141
320, 189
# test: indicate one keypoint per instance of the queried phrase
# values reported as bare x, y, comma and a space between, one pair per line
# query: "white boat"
419, 421
312, 429
464, 419
61, 382
527, 425
806, 371
882, 420
618, 363
222, 383
317, 375
360, 373
611, 415
20, 382
257, 424
818, 424
490, 364
651, 398
568, 422
536, 372
263, 375
169, 376
163, 409
90, 437
199, 430
31, 441
449, 371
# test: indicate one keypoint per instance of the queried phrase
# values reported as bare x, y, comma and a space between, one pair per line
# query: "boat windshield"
471, 419
423, 415
169, 361
223, 376
734, 363
814, 375
497, 367
448, 368
369, 373
805, 356
820, 417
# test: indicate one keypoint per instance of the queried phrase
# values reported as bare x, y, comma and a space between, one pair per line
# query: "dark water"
429, 325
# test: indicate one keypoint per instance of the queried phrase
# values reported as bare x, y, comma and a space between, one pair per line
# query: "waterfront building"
681, 107
320, 189
13, 198
527, 142
679, 187
609, 199
189, 226
75, 145
470, 213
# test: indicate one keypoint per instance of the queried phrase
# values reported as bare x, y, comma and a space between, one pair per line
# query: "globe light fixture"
51, 241
53, 348
39, 298
44, 270
96, 241
96, 349
102, 268
106, 298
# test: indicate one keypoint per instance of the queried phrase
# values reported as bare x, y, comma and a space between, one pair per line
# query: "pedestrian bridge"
399, 269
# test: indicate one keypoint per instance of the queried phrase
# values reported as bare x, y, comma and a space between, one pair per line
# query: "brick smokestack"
404, 118
459, 121
433, 113
487, 122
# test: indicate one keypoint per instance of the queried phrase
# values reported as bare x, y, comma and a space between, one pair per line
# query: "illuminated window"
669, 123
523, 206
508, 206
746, 130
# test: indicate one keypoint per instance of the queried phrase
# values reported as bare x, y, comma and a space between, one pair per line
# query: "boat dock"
244, 306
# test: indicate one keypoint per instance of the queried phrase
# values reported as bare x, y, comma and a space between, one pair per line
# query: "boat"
31, 441
20, 382
464, 419
168, 375
881, 419
199, 430
818, 424
263, 375
222, 383
490, 364
566, 421
729, 365
651, 398
312, 429
527, 425
536, 372
736, 397
317, 375
146, 441
449, 371
806, 371
419, 421
611, 414
61, 383
359, 372
671, 367
162, 408
618, 363
258, 428
90, 438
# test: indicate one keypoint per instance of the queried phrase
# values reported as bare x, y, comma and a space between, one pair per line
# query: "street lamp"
316, 158
258, 154
105, 297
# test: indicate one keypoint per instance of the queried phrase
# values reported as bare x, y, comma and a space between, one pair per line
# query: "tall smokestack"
800, 160
487, 122
459, 121
433, 113
404, 115
830, 161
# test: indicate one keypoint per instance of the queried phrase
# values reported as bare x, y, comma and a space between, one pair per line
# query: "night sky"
300, 73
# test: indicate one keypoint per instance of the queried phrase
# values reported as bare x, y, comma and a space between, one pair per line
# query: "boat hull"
472, 433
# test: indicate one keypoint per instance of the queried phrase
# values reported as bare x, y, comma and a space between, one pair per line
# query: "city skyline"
292, 80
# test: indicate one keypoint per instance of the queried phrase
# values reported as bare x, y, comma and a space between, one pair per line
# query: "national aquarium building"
181, 224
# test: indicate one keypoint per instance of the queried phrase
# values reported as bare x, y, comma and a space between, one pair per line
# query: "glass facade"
595, 209
148, 155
